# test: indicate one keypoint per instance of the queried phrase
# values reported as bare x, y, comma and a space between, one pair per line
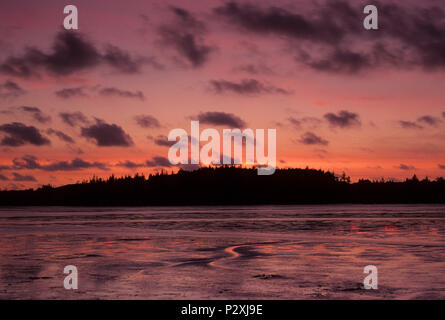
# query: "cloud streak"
421, 122
10, 89
162, 141
310, 138
221, 119
156, 161
147, 121
30, 162
62, 136
73, 118
406, 167
409, 125
245, 87
116, 92
185, 35
23, 178
36, 113
68, 93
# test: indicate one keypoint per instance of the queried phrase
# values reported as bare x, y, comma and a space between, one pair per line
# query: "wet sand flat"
264, 252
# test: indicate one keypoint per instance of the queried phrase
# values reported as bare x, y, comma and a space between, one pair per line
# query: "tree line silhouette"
230, 185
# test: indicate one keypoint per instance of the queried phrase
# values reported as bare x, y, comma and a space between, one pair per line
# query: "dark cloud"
420, 29
62, 136
106, 92
310, 138
412, 35
410, 125
344, 119
147, 121
31, 163
185, 35
130, 164
295, 122
115, 92
310, 122
107, 135
281, 22
71, 52
121, 60
339, 61
73, 165
441, 166
154, 162
19, 66
187, 19
350, 60
245, 87
443, 114
74, 118
22, 178
221, 119
163, 141
405, 167
71, 92
158, 162
421, 122
26, 162
18, 134
429, 120
3, 178
188, 46
10, 89
125, 63
36, 113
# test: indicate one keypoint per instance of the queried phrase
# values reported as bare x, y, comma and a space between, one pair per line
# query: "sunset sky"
102, 99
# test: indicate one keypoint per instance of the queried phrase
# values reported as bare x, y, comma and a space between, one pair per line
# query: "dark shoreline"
6, 206
231, 186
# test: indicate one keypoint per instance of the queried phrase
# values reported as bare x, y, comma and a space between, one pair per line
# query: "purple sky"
102, 99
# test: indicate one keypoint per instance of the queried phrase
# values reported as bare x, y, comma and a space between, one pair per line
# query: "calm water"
265, 252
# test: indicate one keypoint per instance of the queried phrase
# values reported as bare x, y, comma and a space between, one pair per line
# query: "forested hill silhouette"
230, 186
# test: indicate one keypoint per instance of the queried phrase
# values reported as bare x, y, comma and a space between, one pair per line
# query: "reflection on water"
265, 252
